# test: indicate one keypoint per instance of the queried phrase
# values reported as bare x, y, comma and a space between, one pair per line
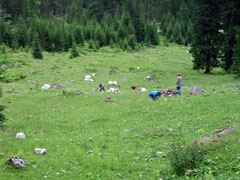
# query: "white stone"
94, 74
159, 153
110, 83
141, 89
20, 135
113, 90
46, 86
89, 80
88, 77
40, 151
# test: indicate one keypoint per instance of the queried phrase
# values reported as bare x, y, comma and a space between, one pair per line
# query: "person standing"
179, 83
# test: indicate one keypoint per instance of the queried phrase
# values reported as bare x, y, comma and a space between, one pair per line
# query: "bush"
183, 158
2, 116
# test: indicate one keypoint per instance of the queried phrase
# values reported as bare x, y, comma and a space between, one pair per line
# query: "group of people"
154, 94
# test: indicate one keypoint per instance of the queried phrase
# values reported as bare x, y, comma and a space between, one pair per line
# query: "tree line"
211, 27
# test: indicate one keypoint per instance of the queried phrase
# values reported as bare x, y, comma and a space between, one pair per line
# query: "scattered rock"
222, 130
20, 135
196, 90
141, 89
159, 153
169, 92
131, 129
88, 78
109, 99
40, 151
132, 69
145, 132
125, 79
57, 86
113, 83
53, 74
46, 87
113, 90
72, 80
90, 151
10, 90
95, 90
159, 128
1, 140
150, 78
17, 162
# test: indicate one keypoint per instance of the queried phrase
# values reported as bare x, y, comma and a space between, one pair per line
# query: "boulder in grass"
58, 86
196, 90
88, 78
141, 89
222, 130
20, 135
17, 162
10, 90
46, 87
112, 90
40, 151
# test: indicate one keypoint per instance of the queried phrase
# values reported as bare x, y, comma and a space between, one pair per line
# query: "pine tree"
236, 54
2, 116
206, 36
37, 52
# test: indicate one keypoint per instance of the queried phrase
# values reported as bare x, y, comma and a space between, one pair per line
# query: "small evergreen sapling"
37, 52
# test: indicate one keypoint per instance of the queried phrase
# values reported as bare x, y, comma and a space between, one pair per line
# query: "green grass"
68, 127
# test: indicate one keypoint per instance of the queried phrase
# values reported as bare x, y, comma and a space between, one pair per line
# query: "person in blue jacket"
154, 95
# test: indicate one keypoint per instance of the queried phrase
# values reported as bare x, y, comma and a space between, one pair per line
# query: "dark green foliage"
230, 19
2, 116
183, 158
236, 54
36, 52
74, 51
79, 36
91, 44
132, 42
100, 37
206, 36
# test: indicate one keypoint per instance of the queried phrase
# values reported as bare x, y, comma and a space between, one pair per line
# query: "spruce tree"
37, 52
206, 36
74, 51
236, 54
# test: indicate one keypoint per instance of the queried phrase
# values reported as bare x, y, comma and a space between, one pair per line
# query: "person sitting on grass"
154, 95
101, 87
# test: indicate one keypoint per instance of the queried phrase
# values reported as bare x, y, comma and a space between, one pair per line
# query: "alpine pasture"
130, 138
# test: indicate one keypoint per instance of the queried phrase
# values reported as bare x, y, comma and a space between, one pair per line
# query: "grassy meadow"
87, 138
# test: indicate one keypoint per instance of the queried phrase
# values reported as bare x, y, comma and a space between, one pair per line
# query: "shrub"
2, 116
183, 158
